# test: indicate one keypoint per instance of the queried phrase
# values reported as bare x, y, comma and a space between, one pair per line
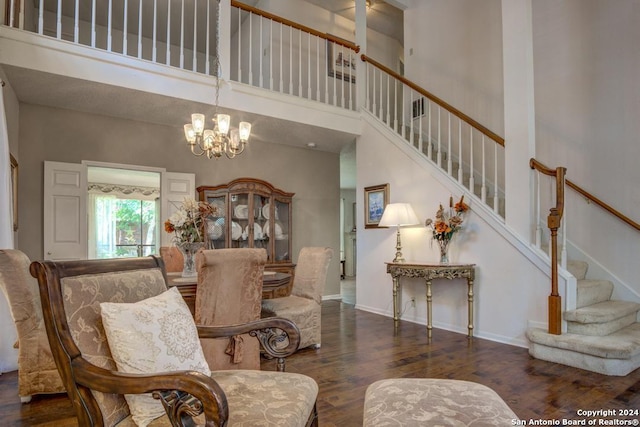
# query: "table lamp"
398, 214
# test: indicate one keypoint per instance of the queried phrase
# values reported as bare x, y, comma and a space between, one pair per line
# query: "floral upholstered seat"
37, 372
434, 402
75, 292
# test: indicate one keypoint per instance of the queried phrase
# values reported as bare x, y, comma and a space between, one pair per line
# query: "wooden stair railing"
553, 222
480, 128
284, 21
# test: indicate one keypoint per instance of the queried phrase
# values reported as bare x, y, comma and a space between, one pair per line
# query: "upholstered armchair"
120, 337
37, 372
303, 306
173, 258
230, 292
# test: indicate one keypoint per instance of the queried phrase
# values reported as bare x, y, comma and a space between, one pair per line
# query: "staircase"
603, 335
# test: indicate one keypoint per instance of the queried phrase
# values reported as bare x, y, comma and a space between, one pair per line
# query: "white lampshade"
189, 134
398, 214
197, 121
224, 122
245, 131
234, 139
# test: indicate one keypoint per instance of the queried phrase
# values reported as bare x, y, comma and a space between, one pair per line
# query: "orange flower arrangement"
447, 222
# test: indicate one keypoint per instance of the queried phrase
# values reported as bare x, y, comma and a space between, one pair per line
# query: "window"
123, 218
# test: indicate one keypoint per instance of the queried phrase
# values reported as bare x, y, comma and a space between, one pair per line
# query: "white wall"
510, 290
587, 96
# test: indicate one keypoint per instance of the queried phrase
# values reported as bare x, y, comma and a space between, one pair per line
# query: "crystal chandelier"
221, 139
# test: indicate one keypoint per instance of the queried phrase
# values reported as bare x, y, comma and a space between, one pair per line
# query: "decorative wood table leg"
396, 314
470, 302
429, 324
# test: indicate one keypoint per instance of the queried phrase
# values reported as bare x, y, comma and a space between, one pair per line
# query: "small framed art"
376, 199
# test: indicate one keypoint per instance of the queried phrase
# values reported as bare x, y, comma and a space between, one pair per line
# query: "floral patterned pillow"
157, 334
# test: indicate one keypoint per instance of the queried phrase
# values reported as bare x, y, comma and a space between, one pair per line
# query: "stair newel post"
553, 222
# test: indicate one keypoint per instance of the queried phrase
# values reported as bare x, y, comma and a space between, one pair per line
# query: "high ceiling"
382, 16
59, 91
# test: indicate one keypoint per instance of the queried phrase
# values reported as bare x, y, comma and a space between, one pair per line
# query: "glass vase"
189, 251
444, 250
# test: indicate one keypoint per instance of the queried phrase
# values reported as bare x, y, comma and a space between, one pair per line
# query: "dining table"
275, 284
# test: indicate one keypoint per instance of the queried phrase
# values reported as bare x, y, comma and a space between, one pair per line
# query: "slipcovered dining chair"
37, 372
129, 352
303, 306
173, 259
229, 292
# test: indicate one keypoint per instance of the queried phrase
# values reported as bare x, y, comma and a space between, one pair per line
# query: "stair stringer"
567, 284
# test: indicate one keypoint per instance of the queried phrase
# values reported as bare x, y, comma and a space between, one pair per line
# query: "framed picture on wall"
341, 62
14, 191
376, 199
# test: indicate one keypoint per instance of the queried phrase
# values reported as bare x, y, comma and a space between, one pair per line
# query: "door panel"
175, 187
65, 211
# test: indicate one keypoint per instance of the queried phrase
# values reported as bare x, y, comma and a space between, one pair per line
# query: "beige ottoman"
431, 402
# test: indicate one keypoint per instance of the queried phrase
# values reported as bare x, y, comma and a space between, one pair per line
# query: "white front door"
65, 211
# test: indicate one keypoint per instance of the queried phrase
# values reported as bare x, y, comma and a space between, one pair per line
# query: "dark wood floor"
360, 348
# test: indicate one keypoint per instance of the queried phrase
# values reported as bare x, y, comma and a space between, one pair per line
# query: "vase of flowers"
445, 225
187, 225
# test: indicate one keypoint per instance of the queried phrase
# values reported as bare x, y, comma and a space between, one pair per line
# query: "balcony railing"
266, 51
273, 53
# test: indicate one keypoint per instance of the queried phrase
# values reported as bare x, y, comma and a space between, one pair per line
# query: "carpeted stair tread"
623, 344
602, 312
578, 268
593, 291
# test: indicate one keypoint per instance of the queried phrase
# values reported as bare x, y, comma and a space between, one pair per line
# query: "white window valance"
125, 191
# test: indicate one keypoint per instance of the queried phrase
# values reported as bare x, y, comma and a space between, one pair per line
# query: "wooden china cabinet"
251, 214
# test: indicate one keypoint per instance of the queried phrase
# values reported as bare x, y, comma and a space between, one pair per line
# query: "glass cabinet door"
216, 231
282, 231
240, 220
258, 239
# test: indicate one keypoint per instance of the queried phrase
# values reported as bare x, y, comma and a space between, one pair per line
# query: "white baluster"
109, 26
194, 60
240, 45
93, 23
429, 153
449, 156
318, 69
395, 105
261, 56
271, 54
388, 94
167, 59
460, 173
125, 15
308, 65
538, 236
483, 190
76, 22
154, 52
299, 63
290, 60
140, 28
439, 139
472, 181
250, 62
40, 17
207, 42
280, 69
59, 21
496, 198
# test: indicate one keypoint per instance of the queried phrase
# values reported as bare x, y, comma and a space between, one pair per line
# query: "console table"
428, 272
